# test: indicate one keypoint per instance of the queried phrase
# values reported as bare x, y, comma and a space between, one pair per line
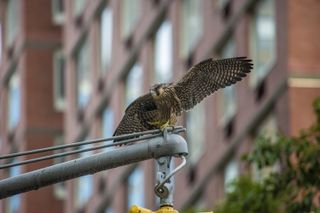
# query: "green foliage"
196, 210
294, 188
249, 197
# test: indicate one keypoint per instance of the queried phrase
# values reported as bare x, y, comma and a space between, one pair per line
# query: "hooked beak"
153, 93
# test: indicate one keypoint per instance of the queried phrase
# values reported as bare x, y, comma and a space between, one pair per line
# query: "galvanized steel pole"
154, 148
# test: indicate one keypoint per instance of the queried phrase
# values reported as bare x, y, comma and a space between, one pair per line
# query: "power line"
80, 143
58, 155
72, 152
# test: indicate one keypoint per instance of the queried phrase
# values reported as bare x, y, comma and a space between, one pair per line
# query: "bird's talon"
171, 127
165, 133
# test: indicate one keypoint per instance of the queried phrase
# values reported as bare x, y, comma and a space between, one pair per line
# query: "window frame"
78, 8
11, 206
12, 23
225, 115
59, 189
268, 126
233, 163
136, 67
58, 16
260, 73
81, 199
59, 99
107, 109
135, 184
199, 144
158, 44
104, 67
12, 123
84, 46
1, 42
127, 29
184, 51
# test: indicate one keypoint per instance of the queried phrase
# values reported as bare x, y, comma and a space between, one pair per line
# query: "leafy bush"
295, 188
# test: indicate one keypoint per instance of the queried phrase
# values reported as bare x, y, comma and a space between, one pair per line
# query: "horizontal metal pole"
154, 148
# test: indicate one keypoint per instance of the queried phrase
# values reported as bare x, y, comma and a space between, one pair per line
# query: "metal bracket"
164, 184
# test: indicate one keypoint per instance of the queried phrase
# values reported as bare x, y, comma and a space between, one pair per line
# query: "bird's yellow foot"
166, 125
165, 128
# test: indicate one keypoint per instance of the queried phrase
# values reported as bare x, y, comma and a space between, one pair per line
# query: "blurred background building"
69, 68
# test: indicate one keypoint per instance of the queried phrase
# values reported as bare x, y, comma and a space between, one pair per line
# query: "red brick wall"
303, 36
303, 60
40, 123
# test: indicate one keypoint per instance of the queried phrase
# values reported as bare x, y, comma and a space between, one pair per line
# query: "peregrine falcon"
165, 102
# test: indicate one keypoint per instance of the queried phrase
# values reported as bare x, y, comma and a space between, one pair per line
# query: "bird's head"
158, 89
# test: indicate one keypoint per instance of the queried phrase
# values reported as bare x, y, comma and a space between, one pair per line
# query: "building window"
196, 131
131, 11
226, 105
57, 8
135, 184
14, 202
268, 128
134, 86
262, 40
227, 97
78, 7
59, 188
84, 87
231, 173
107, 124
0, 43
59, 87
191, 25
14, 98
84, 184
105, 38
222, 3
163, 53
12, 21
109, 210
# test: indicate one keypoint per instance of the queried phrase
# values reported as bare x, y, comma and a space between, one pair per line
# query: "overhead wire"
80, 143
145, 135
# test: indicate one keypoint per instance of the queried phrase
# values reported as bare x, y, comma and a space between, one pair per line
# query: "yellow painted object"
138, 209
167, 209
164, 209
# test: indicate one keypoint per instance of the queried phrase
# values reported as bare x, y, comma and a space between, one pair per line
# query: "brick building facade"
29, 118
69, 68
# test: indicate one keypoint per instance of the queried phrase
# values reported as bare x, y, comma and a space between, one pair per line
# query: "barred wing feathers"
137, 115
207, 77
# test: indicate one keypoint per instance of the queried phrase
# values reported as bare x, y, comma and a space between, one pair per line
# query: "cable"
80, 143
144, 137
73, 152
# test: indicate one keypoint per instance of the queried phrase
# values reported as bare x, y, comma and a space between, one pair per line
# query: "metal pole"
154, 148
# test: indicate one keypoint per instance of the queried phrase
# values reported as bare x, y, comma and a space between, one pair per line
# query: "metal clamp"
164, 186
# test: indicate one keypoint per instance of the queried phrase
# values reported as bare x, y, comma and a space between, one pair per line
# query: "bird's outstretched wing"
137, 115
209, 76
